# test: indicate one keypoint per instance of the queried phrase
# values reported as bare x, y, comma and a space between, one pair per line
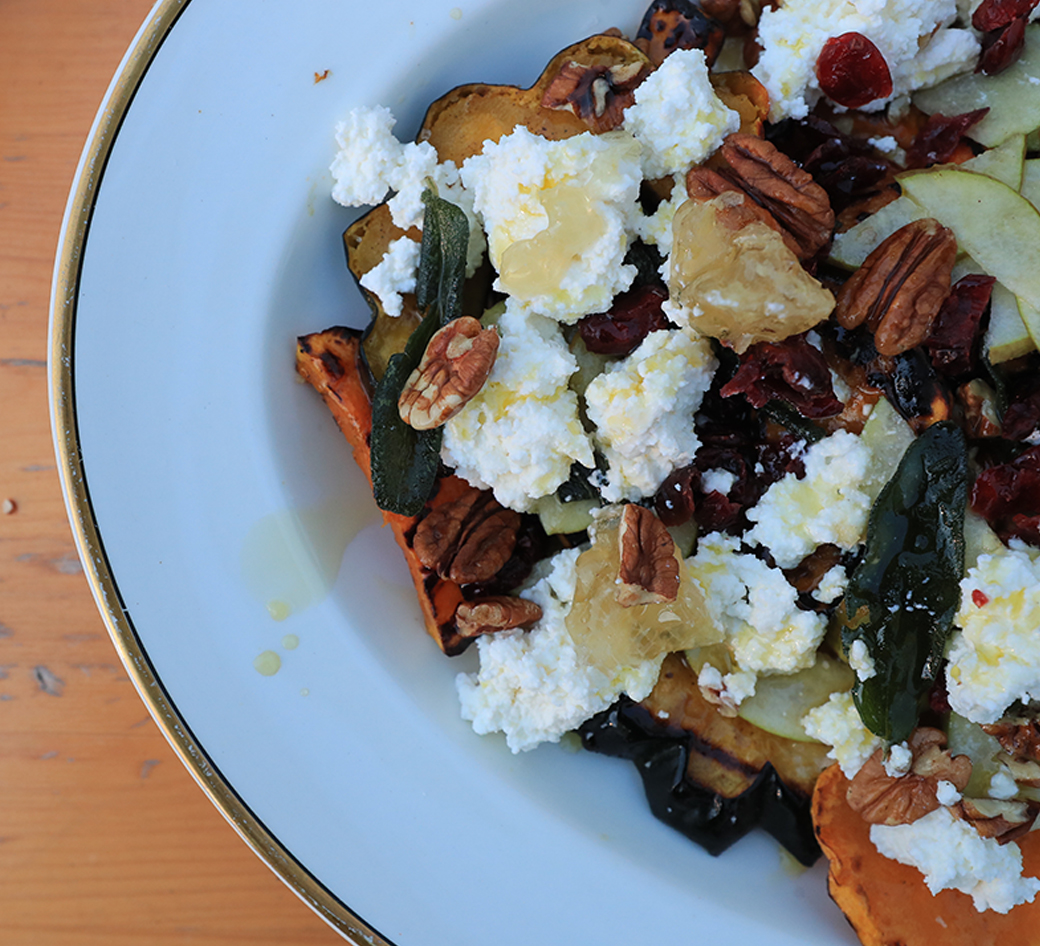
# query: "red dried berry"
979, 598
633, 316
1002, 48
940, 138
994, 14
852, 71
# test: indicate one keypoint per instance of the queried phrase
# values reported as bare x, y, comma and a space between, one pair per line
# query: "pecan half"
1003, 821
467, 540
885, 799
500, 613
598, 95
801, 208
649, 571
454, 367
902, 284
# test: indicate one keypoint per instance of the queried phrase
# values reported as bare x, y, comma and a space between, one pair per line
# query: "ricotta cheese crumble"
916, 38
532, 685
952, 855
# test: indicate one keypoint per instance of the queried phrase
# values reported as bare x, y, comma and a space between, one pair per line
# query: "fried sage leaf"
902, 598
405, 461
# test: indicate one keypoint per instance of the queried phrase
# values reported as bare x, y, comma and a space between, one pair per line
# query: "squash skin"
711, 777
888, 904
331, 362
458, 123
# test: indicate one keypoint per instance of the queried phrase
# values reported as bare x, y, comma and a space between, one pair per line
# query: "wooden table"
104, 837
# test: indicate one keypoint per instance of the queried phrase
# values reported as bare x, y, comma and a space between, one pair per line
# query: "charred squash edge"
330, 361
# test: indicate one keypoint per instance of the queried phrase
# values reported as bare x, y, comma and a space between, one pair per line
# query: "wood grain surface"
104, 836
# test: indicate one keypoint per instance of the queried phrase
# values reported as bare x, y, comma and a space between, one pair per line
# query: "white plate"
200, 241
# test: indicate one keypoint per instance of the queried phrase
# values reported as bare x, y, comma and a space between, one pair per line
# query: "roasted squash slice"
888, 904
459, 123
330, 362
711, 777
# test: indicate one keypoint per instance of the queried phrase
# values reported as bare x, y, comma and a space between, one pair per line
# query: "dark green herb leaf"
405, 461
442, 260
902, 598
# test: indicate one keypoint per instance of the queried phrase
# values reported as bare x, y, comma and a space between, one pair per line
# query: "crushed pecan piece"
649, 571
800, 208
467, 540
902, 284
885, 799
598, 95
1019, 736
1003, 821
454, 367
499, 613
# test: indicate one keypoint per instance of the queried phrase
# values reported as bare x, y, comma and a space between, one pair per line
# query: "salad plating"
700, 393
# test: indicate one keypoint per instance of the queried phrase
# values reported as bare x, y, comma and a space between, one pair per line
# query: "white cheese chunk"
394, 274
643, 407
794, 516
521, 433
995, 657
952, 855
531, 684
837, 724
677, 117
557, 216
756, 606
915, 37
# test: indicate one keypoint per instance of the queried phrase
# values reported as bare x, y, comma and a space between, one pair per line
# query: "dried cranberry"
792, 370
1022, 417
936, 142
953, 342
993, 14
1001, 48
1007, 496
852, 71
633, 316
674, 501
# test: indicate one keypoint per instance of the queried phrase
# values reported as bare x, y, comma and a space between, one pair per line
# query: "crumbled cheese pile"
531, 684
827, 505
915, 37
952, 855
995, 658
557, 216
643, 406
677, 117
521, 433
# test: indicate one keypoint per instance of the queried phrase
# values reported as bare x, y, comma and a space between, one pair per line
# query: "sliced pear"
1013, 97
1030, 187
781, 702
991, 221
1007, 336
979, 539
1003, 162
852, 247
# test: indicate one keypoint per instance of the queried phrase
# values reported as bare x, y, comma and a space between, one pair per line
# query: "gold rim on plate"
64, 297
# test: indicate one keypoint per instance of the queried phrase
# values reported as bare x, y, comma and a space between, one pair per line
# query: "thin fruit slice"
1013, 97
992, 222
780, 703
851, 248
1003, 162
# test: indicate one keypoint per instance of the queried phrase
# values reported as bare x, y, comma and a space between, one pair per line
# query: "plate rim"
86, 533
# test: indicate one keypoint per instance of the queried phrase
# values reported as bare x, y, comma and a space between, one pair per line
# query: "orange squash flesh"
330, 362
888, 904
